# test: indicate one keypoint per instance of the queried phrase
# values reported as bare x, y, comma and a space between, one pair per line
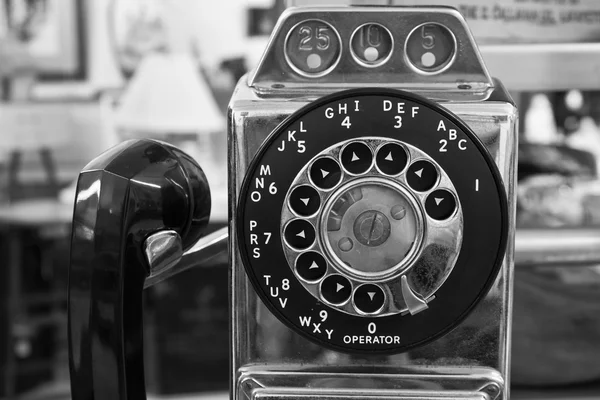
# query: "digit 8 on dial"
372, 224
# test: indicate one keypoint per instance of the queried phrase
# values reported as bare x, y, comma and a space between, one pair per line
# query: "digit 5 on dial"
372, 170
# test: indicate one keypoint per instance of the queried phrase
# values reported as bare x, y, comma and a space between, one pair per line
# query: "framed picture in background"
52, 33
137, 28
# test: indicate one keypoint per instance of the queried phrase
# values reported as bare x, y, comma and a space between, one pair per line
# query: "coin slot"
371, 45
430, 48
312, 48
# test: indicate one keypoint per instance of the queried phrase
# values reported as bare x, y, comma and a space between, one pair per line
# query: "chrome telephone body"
372, 205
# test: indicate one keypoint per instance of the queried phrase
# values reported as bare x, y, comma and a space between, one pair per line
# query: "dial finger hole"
325, 173
357, 158
299, 234
305, 201
311, 266
440, 204
369, 299
336, 289
391, 159
422, 176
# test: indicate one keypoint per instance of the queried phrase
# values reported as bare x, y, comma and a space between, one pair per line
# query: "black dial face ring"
355, 114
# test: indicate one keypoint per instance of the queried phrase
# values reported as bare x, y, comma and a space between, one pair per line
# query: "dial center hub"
372, 228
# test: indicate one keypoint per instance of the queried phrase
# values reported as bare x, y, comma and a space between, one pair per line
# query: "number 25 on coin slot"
372, 172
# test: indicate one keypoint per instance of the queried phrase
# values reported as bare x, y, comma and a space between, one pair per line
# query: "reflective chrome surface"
444, 236
201, 253
548, 247
258, 338
162, 250
268, 356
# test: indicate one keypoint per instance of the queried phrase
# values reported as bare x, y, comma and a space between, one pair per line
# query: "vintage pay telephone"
371, 176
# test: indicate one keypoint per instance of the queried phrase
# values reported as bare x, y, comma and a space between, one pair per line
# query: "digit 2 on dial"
371, 239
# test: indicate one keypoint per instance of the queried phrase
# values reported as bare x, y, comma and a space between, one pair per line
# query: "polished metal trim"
162, 251
465, 76
413, 302
204, 251
557, 247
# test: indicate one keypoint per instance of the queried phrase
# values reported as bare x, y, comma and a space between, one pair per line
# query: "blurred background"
79, 76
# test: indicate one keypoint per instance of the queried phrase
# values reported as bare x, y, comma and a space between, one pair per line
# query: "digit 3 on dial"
372, 220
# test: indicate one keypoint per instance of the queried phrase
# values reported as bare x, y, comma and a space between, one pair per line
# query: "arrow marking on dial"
313, 265
389, 157
354, 157
324, 173
339, 287
302, 235
371, 295
419, 172
438, 201
305, 201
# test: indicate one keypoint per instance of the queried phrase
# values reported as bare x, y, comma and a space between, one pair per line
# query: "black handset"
138, 207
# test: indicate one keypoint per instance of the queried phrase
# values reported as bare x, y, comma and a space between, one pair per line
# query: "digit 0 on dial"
379, 240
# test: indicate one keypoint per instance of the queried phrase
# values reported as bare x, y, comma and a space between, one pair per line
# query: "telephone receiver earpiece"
138, 207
